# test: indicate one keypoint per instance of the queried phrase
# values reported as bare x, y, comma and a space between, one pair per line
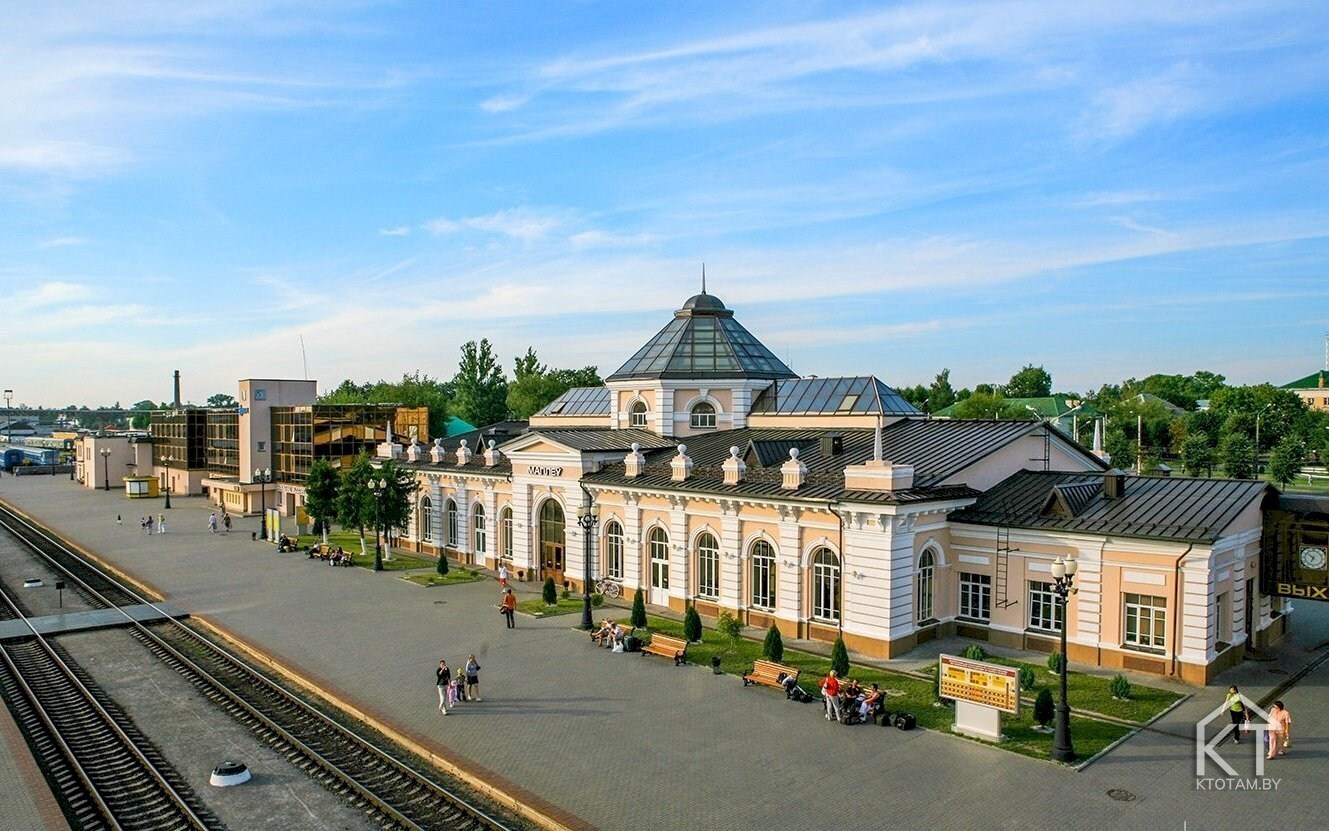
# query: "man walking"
443, 680
161, 523
212, 523
502, 576
509, 607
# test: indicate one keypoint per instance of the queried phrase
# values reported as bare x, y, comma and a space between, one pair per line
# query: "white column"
633, 545
789, 588
731, 547
680, 584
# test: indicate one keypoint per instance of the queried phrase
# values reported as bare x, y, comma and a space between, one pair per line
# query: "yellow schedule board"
991, 685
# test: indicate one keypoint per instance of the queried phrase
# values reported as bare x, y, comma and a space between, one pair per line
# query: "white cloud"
399, 231
523, 223
63, 242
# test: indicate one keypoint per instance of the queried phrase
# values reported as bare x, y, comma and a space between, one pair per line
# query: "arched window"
703, 416
450, 509
927, 576
637, 415
425, 519
505, 531
825, 585
614, 550
708, 566
763, 575
659, 559
478, 530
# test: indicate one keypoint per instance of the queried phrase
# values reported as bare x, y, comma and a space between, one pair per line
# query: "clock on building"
1313, 558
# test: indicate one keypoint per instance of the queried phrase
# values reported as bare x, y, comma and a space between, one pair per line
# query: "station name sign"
544, 470
977, 682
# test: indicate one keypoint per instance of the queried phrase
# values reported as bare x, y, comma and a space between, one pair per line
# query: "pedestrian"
1236, 710
830, 691
1279, 730
502, 576
509, 607
161, 523
226, 522
118, 520
147, 523
473, 678
457, 692
212, 523
443, 680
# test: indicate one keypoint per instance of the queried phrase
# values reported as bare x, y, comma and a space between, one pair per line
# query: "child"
458, 689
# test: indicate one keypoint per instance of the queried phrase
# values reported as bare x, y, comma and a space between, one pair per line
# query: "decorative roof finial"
703, 278
876, 441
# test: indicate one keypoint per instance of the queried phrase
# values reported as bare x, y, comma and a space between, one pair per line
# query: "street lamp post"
378, 488
1063, 573
263, 477
587, 516
167, 461
106, 467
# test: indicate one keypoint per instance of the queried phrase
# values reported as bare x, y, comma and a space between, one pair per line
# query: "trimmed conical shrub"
1054, 663
1043, 707
840, 658
550, 592
773, 646
639, 610
692, 624
442, 564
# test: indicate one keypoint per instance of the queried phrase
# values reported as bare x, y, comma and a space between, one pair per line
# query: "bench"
769, 673
669, 647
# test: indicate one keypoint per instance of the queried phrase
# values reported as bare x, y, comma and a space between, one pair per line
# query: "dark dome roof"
704, 302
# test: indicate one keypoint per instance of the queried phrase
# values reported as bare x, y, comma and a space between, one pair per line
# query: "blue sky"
1109, 190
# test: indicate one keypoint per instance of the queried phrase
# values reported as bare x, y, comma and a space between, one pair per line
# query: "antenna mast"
304, 359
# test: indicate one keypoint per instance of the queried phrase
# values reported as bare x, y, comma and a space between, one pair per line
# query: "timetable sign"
991, 685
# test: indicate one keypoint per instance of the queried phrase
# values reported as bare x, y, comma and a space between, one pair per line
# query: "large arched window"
703, 416
505, 531
478, 531
926, 585
763, 575
708, 567
659, 559
425, 520
825, 585
637, 415
614, 550
450, 510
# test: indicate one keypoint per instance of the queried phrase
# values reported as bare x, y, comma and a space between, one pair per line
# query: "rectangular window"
614, 553
1146, 621
763, 582
708, 569
975, 596
481, 542
507, 534
1045, 608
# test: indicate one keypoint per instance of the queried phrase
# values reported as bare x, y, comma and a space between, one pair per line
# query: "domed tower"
698, 374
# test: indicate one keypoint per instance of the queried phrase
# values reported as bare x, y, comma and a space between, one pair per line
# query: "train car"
13, 457
49, 442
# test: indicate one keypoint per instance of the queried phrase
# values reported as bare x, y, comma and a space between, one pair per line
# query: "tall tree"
395, 508
940, 394
1030, 382
321, 489
1286, 460
1238, 455
480, 392
355, 502
413, 390
221, 399
1197, 455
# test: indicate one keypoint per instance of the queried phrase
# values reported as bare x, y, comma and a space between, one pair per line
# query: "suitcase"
905, 721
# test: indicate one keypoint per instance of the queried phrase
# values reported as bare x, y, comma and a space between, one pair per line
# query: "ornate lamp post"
1063, 573
263, 477
167, 461
377, 488
587, 516
106, 468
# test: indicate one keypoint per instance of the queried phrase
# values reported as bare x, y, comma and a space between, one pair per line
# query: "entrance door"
658, 594
552, 541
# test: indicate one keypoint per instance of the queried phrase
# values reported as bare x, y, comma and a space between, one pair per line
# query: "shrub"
597, 600
639, 610
1054, 663
565, 594
974, 652
730, 627
773, 646
692, 624
1026, 677
1120, 687
1043, 707
550, 593
442, 567
840, 658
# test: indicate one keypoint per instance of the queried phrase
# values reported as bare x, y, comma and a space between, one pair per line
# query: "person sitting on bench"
601, 636
872, 704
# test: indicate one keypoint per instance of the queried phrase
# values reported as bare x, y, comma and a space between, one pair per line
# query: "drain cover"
1121, 795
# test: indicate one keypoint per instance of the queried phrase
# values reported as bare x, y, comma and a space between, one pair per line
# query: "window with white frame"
825, 585
614, 550
708, 566
637, 415
975, 596
505, 530
1146, 621
425, 520
450, 510
703, 416
478, 530
659, 547
926, 585
762, 556
1045, 609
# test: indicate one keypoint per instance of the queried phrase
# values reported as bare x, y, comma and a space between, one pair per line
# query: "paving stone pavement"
626, 742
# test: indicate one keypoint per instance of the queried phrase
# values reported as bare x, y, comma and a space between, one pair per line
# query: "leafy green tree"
692, 624
321, 489
1238, 456
916, 395
773, 646
729, 626
1286, 460
535, 385
395, 506
480, 392
221, 399
940, 394
1030, 382
413, 390
638, 618
840, 658
143, 414
1197, 455
982, 405
355, 502
1120, 447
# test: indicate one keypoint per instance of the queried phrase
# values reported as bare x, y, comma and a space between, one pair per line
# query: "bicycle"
607, 587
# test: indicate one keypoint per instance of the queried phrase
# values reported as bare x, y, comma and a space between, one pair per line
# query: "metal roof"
1154, 507
852, 395
599, 439
579, 401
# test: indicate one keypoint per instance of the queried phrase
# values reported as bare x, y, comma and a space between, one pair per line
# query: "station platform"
89, 619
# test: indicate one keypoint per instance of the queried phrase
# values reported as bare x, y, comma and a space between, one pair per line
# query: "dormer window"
703, 416
637, 415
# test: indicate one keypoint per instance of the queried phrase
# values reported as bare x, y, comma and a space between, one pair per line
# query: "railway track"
388, 790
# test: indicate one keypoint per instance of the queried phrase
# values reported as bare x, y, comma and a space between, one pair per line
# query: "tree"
442, 567
480, 392
638, 618
840, 658
394, 509
549, 592
1238, 456
321, 488
1197, 455
692, 624
981, 405
940, 394
1120, 447
355, 502
1043, 707
221, 399
534, 385
1030, 382
142, 416
773, 646
413, 390
1286, 460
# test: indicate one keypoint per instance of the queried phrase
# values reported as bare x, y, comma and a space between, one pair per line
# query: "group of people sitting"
333, 555
612, 635
849, 703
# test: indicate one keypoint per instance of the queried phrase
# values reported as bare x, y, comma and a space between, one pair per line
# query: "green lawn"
538, 608
432, 578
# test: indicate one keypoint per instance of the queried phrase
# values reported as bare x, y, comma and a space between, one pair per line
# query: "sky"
336, 190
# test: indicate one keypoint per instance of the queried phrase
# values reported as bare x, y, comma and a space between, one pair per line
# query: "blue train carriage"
13, 457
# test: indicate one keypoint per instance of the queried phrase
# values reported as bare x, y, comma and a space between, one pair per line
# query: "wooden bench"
769, 673
669, 647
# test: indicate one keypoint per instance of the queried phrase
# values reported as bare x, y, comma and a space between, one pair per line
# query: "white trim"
973, 559
1144, 578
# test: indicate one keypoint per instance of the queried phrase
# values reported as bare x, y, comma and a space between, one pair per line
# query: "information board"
991, 685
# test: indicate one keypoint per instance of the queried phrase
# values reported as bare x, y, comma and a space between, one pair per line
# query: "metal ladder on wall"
1002, 594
